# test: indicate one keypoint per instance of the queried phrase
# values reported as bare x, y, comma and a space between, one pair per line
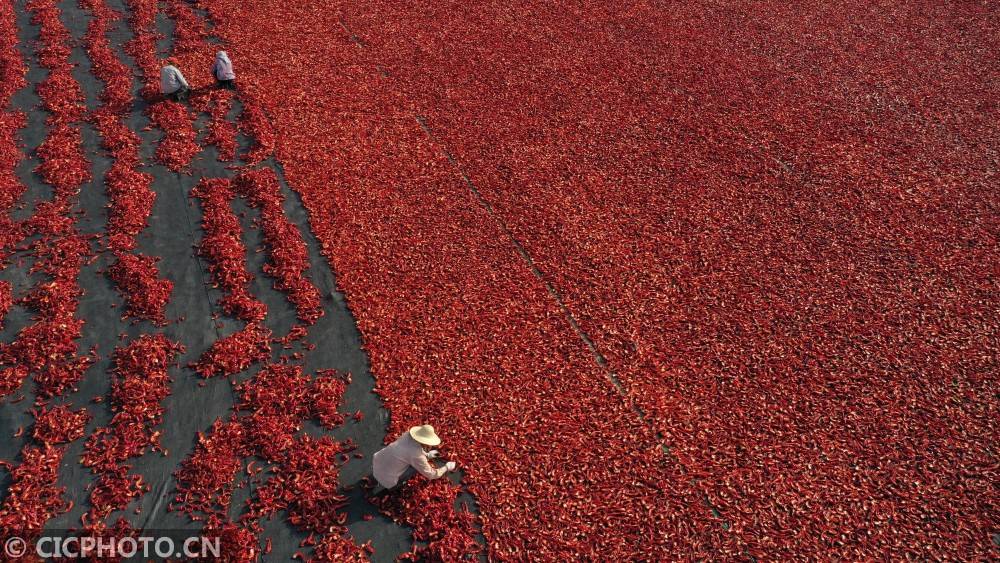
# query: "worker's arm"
420, 463
180, 78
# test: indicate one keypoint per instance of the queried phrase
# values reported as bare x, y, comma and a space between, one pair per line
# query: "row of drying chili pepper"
289, 257
47, 348
222, 248
12, 78
221, 131
60, 251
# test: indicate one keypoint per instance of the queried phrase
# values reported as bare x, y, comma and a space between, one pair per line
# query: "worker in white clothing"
223, 71
172, 82
411, 453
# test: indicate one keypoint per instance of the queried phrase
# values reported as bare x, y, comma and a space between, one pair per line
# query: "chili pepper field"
693, 280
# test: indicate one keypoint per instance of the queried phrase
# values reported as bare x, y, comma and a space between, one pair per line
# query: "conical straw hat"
425, 435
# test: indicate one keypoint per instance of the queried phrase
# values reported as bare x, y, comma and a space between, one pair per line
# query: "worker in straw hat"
411, 453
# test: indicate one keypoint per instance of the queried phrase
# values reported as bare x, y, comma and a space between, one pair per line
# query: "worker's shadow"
358, 508
151, 98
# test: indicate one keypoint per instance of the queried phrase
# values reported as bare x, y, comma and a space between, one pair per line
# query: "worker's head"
425, 436
171, 61
221, 55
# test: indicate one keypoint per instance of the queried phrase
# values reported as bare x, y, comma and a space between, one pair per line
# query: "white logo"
15, 547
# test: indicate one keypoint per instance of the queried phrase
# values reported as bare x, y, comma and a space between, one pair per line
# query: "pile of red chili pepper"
128, 189
236, 352
59, 425
304, 482
179, 144
256, 125
327, 391
221, 131
11, 188
206, 479
6, 299
277, 398
12, 67
236, 544
33, 496
116, 95
335, 548
190, 46
137, 278
142, 46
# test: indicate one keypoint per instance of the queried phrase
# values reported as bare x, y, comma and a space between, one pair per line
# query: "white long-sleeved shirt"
171, 80
223, 68
389, 463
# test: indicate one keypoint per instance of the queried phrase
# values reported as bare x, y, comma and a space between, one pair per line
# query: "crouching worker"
410, 454
223, 71
172, 83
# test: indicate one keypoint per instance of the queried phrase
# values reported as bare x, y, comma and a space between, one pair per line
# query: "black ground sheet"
171, 235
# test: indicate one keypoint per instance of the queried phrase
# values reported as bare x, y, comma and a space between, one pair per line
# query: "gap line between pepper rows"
599, 358
205, 279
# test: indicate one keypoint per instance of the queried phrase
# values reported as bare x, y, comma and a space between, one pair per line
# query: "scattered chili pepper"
205, 480
140, 384
327, 392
